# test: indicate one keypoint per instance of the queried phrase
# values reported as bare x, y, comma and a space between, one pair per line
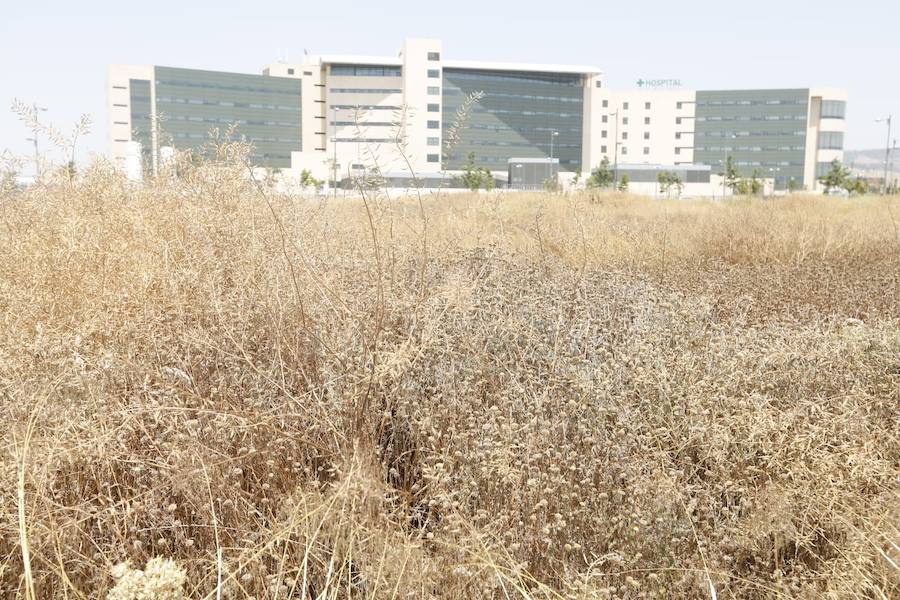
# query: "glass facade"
516, 118
834, 109
759, 129
266, 111
365, 70
141, 121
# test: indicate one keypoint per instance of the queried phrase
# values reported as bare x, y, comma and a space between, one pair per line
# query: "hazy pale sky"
56, 52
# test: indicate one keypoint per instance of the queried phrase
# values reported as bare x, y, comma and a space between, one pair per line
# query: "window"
366, 70
603, 133
434, 124
677, 150
434, 108
433, 158
433, 141
434, 73
307, 72
646, 150
624, 135
646, 135
624, 150
606, 104
646, 120
434, 90
678, 105
624, 106
678, 120
831, 140
603, 149
605, 118
647, 105
833, 109
599, 84
678, 136
624, 120
434, 56
290, 71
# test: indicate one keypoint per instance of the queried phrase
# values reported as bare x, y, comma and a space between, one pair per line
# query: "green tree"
576, 178
731, 174
741, 187
623, 183
488, 179
857, 186
663, 178
836, 177
601, 176
756, 184
791, 185
471, 177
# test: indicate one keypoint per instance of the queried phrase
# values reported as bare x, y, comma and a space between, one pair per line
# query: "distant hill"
868, 161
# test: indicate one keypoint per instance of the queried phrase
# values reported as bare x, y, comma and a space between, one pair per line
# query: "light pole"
615, 114
773, 171
725, 167
887, 152
334, 163
553, 134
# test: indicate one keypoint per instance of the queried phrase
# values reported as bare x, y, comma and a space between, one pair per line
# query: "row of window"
363, 107
366, 91
769, 102
365, 71
226, 121
366, 140
833, 109
205, 136
507, 143
222, 86
529, 113
557, 79
492, 94
750, 148
831, 140
200, 102
364, 124
713, 134
753, 118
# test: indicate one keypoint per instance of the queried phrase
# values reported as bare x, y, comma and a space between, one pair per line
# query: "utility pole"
887, 152
334, 164
553, 134
615, 115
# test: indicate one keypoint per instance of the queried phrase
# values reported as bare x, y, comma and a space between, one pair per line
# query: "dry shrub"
479, 397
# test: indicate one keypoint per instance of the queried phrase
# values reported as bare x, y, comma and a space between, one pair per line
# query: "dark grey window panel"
516, 117
264, 109
344, 70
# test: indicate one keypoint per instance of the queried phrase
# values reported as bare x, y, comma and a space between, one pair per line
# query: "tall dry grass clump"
481, 396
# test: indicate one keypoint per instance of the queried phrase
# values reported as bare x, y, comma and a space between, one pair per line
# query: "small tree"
472, 176
836, 177
623, 183
488, 179
791, 185
756, 184
741, 187
663, 178
601, 176
731, 174
576, 179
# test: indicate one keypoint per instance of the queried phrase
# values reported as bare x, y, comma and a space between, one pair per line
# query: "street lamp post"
774, 171
334, 163
887, 152
615, 114
553, 134
725, 167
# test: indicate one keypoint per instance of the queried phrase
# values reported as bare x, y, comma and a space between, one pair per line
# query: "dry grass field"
468, 396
